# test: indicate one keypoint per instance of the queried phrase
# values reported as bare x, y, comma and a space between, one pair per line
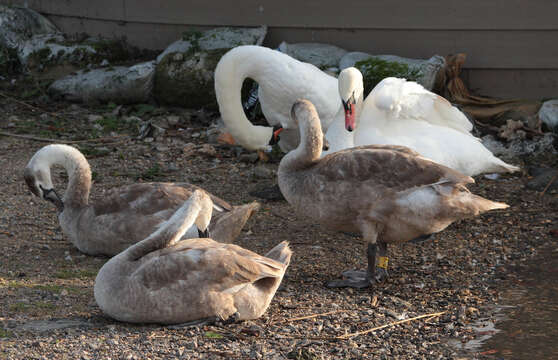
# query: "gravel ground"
46, 285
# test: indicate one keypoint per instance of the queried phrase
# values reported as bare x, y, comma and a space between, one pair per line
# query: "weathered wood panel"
352, 14
512, 45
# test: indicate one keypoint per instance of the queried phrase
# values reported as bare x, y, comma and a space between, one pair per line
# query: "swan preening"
387, 193
396, 112
124, 215
400, 112
165, 280
282, 80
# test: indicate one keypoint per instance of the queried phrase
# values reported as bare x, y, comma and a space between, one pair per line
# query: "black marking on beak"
52, 196
203, 234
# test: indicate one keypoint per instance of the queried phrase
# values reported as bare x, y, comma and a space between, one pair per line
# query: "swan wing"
205, 264
396, 168
400, 99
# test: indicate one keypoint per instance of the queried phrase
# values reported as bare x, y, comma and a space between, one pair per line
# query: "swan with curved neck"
111, 224
282, 80
166, 280
401, 112
387, 193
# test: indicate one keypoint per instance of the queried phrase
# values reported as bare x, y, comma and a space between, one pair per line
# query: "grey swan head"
167, 279
110, 224
386, 193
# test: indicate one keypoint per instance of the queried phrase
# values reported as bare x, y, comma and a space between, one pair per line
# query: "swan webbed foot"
230, 320
381, 275
358, 279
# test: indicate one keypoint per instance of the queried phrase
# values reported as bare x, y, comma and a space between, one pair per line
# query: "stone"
18, 24
428, 68
94, 118
124, 85
207, 150
187, 80
548, 114
321, 55
519, 147
262, 172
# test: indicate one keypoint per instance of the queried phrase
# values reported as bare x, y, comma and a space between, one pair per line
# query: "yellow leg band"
383, 262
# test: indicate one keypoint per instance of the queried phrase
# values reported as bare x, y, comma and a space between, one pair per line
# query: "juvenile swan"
165, 280
125, 215
388, 193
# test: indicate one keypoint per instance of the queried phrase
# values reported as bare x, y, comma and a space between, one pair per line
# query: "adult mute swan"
401, 112
387, 193
125, 215
166, 280
282, 80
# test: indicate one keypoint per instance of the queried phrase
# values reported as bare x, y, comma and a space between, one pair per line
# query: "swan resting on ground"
282, 80
387, 193
165, 280
400, 112
125, 215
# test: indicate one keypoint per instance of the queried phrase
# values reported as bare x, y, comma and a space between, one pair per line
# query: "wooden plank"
513, 83
353, 14
485, 49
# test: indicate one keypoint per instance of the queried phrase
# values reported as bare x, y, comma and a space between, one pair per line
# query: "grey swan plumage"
165, 280
125, 215
387, 193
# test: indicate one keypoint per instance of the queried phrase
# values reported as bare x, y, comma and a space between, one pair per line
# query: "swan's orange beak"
350, 117
275, 137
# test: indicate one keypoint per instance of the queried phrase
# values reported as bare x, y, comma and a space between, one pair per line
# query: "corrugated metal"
511, 44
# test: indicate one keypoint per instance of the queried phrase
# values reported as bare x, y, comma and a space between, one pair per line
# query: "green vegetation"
213, 335
153, 173
75, 274
375, 70
25, 307
5, 333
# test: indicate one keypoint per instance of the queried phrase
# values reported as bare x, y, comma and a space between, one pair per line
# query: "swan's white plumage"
400, 112
282, 80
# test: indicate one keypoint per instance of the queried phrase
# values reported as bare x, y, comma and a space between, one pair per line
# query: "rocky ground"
453, 280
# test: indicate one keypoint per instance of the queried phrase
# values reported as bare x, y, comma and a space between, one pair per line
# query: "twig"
34, 138
312, 316
429, 316
28, 105
549, 183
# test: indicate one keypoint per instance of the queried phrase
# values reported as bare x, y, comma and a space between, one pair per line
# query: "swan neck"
233, 68
194, 211
77, 168
309, 149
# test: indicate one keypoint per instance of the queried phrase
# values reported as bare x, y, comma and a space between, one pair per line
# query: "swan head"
351, 89
201, 199
304, 109
38, 180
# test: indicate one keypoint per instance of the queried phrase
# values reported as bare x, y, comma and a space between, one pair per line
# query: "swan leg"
381, 273
359, 278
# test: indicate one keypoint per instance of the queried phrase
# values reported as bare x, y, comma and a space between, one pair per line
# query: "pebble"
93, 118
208, 150
263, 172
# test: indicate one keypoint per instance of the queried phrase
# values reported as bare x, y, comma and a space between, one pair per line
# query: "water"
530, 330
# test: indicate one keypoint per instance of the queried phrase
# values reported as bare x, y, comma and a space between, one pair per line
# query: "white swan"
387, 193
282, 80
401, 112
124, 215
165, 280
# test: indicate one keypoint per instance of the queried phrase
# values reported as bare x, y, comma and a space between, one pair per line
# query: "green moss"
184, 83
153, 173
5, 333
26, 307
375, 70
75, 274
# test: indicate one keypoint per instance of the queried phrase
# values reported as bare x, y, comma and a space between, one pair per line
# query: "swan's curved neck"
309, 149
193, 211
233, 68
77, 168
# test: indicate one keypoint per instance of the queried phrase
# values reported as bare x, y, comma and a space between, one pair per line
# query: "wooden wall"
511, 45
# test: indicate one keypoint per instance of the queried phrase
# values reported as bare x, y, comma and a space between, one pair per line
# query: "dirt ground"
47, 309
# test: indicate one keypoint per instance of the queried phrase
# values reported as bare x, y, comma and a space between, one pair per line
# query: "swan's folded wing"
402, 99
390, 167
204, 263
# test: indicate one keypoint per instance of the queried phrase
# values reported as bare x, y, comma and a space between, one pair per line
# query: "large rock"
20, 24
121, 85
184, 74
519, 147
428, 68
321, 55
549, 114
